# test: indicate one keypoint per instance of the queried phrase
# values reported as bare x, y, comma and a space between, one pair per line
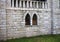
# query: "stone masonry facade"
13, 15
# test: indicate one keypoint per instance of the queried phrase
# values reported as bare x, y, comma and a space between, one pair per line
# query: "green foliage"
41, 38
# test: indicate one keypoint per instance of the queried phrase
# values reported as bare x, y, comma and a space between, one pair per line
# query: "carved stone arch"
38, 16
27, 19
25, 15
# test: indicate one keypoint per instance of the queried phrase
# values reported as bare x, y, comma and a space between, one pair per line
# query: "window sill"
31, 26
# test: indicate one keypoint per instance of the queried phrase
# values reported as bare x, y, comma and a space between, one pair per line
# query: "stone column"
46, 5
27, 4
24, 4
37, 4
42, 4
9, 3
31, 4
20, 4
16, 3
31, 21
12, 3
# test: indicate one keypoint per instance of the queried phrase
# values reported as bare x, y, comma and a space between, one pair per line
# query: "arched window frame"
27, 19
34, 19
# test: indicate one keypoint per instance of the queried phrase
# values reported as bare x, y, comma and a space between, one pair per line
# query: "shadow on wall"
2, 41
1, 35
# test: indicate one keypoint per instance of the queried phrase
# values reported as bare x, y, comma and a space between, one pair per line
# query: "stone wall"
2, 20
56, 17
12, 20
16, 23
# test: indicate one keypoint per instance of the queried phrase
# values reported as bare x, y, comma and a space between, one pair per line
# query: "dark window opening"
32, 4
34, 20
25, 3
27, 19
18, 2
14, 3
11, 3
41, 4
29, 3
35, 4
22, 3
59, 3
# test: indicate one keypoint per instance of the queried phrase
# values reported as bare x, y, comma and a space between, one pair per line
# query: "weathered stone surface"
12, 20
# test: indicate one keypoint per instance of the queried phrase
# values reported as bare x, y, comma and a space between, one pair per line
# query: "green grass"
42, 38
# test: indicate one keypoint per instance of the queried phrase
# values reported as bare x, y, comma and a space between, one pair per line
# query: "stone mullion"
31, 20
27, 4
12, 3
37, 4
24, 4
31, 4
20, 4
16, 3
42, 4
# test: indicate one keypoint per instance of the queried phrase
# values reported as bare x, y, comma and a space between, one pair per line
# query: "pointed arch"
34, 19
27, 19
